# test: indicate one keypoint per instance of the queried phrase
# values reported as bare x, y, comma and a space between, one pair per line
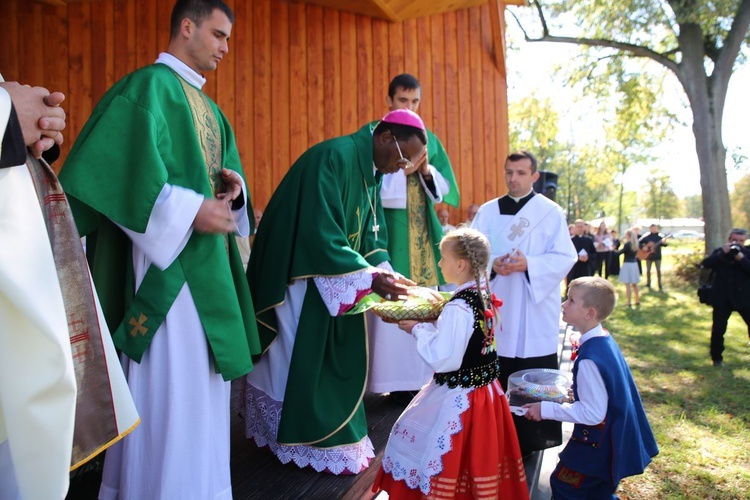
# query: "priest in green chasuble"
156, 185
313, 258
414, 233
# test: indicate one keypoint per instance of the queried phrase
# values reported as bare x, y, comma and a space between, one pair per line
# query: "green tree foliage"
694, 206
660, 201
698, 41
741, 202
585, 175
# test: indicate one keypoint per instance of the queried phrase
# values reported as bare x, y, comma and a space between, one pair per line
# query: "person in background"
629, 271
730, 264
586, 251
604, 246
443, 216
614, 261
652, 243
471, 212
612, 438
464, 403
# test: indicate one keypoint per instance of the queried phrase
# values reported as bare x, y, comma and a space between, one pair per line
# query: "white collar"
189, 74
597, 331
520, 197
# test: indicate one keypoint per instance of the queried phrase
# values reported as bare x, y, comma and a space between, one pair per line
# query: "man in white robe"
531, 255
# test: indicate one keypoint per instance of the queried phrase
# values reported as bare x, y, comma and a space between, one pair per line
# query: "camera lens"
734, 249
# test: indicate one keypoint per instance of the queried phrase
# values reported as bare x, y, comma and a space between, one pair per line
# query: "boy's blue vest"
623, 444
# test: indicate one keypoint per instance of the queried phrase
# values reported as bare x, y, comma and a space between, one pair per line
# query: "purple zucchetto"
404, 117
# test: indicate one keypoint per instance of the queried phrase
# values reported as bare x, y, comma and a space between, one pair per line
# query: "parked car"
685, 234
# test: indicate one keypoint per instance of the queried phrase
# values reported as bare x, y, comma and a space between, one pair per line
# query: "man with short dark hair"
531, 255
730, 265
156, 185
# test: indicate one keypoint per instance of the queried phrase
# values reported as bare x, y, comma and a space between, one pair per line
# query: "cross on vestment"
138, 325
517, 229
375, 227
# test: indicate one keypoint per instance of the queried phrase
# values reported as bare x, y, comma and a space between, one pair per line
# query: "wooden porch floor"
257, 473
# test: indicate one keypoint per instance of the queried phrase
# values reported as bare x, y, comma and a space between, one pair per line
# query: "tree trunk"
707, 115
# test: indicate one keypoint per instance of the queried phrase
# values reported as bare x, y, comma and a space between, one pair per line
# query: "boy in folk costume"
612, 438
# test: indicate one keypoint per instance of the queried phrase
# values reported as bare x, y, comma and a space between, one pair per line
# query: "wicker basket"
414, 308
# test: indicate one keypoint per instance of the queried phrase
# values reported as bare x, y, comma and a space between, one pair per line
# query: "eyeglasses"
409, 163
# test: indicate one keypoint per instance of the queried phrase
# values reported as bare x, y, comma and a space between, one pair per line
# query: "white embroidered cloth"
422, 435
262, 417
338, 291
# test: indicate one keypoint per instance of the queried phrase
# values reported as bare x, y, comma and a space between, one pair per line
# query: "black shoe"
718, 363
648, 285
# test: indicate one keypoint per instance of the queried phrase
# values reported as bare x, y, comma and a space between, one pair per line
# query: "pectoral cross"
375, 227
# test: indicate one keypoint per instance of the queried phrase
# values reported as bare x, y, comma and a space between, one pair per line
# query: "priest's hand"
39, 114
232, 185
513, 262
214, 216
420, 163
390, 286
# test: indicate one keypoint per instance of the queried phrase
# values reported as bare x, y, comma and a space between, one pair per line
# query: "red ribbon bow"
495, 301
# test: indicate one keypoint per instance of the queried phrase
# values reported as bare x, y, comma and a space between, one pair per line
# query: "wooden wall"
296, 74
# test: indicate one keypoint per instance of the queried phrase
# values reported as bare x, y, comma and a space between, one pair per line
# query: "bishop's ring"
387, 296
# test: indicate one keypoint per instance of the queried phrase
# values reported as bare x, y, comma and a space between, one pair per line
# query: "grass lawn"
700, 414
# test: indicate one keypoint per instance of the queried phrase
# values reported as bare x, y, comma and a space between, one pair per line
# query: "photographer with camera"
730, 264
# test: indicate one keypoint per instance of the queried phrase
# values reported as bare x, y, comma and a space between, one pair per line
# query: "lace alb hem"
262, 417
413, 472
339, 293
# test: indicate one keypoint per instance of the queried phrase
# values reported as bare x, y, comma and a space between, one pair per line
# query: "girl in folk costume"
456, 439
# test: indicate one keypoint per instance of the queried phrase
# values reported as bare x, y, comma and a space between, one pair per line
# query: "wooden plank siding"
296, 73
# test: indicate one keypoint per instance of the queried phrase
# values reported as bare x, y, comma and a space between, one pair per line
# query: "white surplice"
395, 364
181, 448
37, 377
530, 314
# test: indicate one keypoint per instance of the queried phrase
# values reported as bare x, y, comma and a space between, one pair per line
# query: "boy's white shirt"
591, 406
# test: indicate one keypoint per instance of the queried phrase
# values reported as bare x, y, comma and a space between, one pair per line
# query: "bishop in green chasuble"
312, 259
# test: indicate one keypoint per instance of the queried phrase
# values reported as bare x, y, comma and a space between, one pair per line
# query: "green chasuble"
319, 222
142, 135
400, 245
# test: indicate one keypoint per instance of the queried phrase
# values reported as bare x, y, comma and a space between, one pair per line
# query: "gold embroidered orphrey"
422, 265
517, 230
209, 137
207, 130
